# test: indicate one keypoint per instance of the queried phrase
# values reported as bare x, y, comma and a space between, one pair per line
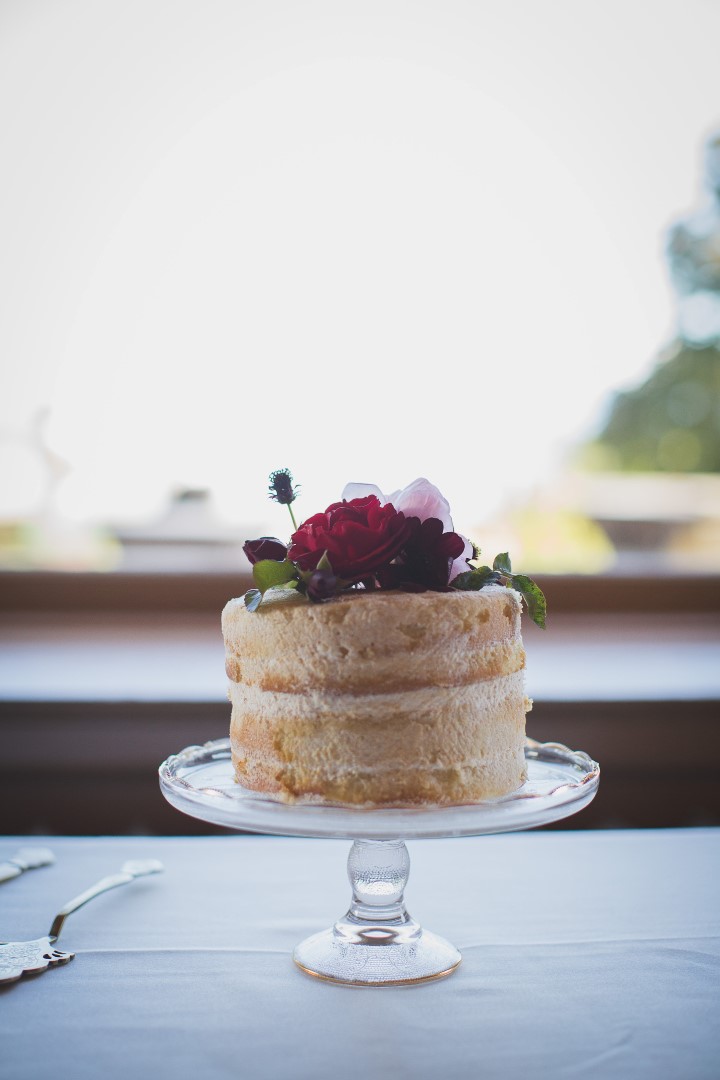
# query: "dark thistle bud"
267, 547
281, 487
321, 586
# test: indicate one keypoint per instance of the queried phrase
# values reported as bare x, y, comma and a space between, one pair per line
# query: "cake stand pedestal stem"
377, 943
378, 871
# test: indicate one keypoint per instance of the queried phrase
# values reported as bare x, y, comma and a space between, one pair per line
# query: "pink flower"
421, 499
460, 565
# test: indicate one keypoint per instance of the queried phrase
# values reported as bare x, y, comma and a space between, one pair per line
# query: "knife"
25, 859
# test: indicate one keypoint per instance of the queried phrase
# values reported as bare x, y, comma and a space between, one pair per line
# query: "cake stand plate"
377, 943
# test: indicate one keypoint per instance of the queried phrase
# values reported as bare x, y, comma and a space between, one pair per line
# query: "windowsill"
102, 676
156, 637
208, 592
85, 656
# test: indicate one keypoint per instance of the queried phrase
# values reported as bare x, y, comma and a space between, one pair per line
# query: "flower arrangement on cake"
371, 541
377, 662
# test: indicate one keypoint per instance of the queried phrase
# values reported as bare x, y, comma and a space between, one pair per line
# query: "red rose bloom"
359, 535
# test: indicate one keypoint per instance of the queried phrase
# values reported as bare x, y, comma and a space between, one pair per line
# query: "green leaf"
288, 590
533, 596
270, 572
324, 563
253, 599
502, 569
474, 579
284, 593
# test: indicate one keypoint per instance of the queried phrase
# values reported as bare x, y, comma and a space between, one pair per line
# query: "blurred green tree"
671, 423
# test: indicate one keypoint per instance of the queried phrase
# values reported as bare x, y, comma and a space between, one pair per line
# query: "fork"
27, 858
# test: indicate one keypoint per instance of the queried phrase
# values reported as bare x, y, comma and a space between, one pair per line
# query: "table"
586, 954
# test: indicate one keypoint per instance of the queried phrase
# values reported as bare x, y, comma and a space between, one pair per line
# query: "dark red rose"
359, 535
267, 547
426, 559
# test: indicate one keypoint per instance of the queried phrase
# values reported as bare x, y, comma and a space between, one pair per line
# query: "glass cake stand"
377, 943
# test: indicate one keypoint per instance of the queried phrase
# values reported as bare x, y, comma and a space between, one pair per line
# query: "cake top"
373, 543
387, 641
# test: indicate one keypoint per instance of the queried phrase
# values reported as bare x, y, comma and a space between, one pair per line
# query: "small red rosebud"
267, 547
321, 586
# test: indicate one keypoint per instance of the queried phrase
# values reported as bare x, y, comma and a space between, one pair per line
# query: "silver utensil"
19, 958
27, 858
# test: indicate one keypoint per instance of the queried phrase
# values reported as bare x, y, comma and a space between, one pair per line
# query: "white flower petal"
361, 491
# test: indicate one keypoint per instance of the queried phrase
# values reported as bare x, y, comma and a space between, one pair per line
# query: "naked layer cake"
379, 699
376, 663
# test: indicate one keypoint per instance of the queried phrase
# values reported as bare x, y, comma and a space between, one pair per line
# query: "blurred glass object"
188, 536
33, 534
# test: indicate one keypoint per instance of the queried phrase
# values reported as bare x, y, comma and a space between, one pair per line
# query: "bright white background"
367, 240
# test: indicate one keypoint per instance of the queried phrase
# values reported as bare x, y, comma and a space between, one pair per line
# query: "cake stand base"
377, 963
377, 943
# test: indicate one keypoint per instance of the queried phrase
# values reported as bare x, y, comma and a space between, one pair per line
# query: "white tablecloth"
585, 955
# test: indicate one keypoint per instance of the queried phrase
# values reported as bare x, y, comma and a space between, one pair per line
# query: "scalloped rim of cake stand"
199, 781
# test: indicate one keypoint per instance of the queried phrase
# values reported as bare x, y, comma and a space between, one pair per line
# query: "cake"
379, 699
376, 664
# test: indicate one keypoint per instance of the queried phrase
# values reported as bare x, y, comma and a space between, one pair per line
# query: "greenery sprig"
500, 573
273, 577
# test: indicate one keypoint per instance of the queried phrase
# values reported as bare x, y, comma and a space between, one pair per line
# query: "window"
365, 249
